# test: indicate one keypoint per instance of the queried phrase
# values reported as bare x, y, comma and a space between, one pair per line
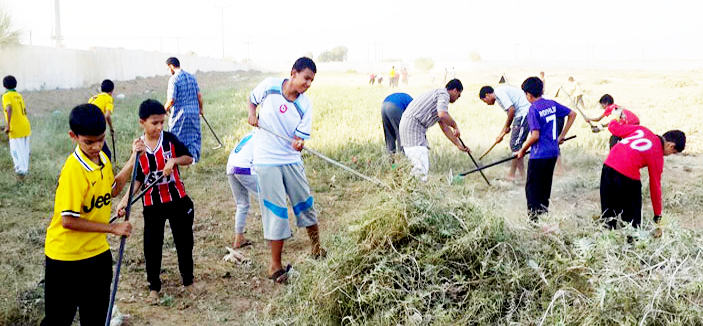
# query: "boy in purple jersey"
544, 140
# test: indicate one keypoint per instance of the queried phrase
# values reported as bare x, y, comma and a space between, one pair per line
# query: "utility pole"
222, 17
57, 24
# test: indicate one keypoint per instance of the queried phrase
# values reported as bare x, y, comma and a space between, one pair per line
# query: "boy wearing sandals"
242, 180
286, 111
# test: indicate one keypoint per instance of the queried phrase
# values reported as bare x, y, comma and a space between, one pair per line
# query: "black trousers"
620, 198
538, 187
614, 140
82, 285
391, 114
180, 214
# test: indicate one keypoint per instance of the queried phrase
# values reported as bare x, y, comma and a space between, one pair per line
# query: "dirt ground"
49, 100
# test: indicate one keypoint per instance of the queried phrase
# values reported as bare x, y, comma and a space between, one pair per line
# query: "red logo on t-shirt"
283, 108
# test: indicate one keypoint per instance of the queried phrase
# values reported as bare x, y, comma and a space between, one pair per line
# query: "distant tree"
8, 35
308, 55
338, 54
474, 56
424, 64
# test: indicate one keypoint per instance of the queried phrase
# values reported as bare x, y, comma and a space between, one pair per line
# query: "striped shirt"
151, 167
421, 114
184, 121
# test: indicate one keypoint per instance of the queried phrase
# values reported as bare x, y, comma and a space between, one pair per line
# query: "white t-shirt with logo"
242, 155
284, 118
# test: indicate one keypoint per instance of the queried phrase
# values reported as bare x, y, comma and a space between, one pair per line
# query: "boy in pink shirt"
608, 103
620, 186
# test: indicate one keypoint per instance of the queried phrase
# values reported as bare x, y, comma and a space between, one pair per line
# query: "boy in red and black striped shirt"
166, 200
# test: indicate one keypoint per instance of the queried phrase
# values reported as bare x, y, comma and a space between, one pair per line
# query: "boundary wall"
40, 68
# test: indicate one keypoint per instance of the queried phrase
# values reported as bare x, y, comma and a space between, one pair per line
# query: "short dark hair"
606, 100
87, 120
485, 90
150, 107
455, 84
9, 82
677, 137
533, 86
173, 61
303, 63
107, 86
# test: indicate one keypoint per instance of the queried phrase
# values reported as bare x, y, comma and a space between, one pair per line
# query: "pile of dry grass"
425, 254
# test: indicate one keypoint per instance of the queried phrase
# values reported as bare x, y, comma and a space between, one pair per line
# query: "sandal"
244, 244
281, 275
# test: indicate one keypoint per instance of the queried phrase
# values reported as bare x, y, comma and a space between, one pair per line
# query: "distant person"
404, 76
78, 266
626, 116
453, 73
372, 79
185, 104
513, 101
391, 77
391, 113
167, 200
544, 142
18, 128
422, 113
242, 180
379, 80
620, 185
576, 92
105, 103
286, 111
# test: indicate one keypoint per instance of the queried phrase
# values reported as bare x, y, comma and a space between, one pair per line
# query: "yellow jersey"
84, 191
103, 101
19, 125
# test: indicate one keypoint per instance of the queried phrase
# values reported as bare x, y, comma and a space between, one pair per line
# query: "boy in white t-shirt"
286, 111
242, 180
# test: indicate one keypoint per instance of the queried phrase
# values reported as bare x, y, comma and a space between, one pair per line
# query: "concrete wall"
37, 67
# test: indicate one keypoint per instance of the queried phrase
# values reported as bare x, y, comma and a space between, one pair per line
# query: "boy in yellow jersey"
78, 268
105, 103
18, 127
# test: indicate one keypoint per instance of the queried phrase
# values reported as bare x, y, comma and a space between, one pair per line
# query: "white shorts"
419, 156
274, 184
19, 149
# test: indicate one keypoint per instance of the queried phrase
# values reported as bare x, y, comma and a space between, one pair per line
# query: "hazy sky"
374, 30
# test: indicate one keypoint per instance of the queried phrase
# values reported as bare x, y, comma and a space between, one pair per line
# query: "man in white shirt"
513, 101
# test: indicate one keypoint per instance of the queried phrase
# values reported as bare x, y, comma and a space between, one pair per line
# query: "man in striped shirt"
422, 113
185, 104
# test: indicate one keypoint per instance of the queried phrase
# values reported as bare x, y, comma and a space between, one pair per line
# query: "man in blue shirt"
185, 105
544, 140
391, 112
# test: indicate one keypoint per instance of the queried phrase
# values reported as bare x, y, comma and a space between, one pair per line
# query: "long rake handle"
114, 149
139, 196
211, 130
576, 106
502, 161
122, 244
329, 160
488, 151
476, 164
